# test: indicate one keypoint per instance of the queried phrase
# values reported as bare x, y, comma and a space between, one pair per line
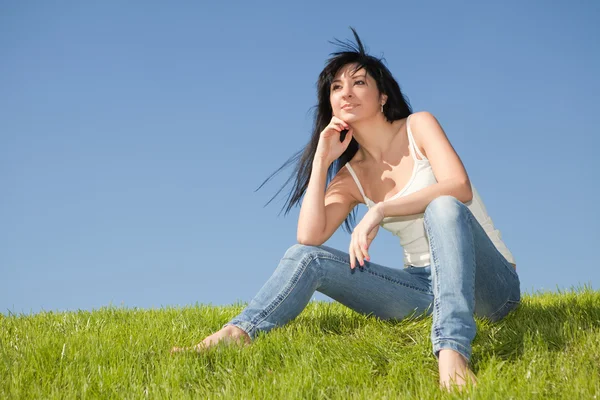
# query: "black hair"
395, 108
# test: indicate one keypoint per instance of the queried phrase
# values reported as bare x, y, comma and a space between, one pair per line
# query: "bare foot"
228, 334
454, 370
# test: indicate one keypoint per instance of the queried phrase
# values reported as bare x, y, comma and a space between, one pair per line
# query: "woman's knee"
443, 209
300, 251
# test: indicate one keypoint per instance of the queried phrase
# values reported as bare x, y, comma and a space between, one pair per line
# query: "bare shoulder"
422, 121
343, 184
445, 162
426, 129
422, 115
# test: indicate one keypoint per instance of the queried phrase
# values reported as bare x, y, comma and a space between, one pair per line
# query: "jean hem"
452, 345
508, 307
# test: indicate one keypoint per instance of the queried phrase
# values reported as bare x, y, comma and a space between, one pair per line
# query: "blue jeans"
467, 276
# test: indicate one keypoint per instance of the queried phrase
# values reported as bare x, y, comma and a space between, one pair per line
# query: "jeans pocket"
509, 306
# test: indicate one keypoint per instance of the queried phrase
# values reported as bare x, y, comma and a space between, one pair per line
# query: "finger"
336, 119
334, 126
365, 247
357, 252
356, 244
365, 250
351, 253
348, 137
342, 123
333, 123
363, 254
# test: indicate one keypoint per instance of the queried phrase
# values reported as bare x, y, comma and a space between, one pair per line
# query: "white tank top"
411, 229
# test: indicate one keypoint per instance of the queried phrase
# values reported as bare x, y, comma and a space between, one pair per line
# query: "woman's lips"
349, 106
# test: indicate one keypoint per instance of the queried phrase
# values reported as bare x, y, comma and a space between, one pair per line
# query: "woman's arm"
449, 171
311, 221
323, 212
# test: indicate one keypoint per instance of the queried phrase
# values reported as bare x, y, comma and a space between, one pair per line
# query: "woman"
402, 166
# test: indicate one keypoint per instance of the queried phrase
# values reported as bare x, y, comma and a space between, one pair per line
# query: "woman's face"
354, 95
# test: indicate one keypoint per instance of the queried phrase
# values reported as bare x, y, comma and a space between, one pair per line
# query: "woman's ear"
384, 98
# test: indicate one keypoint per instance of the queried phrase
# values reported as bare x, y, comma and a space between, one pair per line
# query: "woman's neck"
375, 138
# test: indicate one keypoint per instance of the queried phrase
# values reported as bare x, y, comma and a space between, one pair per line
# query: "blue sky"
133, 137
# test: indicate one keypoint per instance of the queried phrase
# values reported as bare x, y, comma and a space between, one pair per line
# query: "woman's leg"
469, 276
372, 289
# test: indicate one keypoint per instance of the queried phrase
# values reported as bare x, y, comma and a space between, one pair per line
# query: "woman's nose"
347, 91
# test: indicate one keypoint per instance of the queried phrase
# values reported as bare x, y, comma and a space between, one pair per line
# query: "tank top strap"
412, 142
357, 183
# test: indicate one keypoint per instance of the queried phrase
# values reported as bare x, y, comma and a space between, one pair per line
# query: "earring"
382, 108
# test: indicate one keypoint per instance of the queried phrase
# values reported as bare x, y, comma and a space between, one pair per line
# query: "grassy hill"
548, 348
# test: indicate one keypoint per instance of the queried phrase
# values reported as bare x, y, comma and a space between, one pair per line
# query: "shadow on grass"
553, 324
551, 320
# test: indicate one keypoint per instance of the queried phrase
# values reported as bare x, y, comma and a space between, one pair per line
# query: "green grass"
548, 348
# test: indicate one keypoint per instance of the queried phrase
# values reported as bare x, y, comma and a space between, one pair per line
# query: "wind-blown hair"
395, 108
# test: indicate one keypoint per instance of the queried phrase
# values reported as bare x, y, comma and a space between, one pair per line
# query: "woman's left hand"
363, 234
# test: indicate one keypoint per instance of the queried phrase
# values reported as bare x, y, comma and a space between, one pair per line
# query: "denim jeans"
467, 277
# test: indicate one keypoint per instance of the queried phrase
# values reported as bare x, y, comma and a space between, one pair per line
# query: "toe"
199, 347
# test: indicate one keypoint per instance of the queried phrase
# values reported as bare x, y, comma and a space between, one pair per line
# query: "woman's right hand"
329, 147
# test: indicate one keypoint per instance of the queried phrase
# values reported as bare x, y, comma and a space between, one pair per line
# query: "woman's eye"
335, 87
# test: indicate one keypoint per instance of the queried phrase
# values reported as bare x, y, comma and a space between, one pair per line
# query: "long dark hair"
395, 108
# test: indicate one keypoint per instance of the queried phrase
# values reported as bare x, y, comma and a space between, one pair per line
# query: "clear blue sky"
133, 136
